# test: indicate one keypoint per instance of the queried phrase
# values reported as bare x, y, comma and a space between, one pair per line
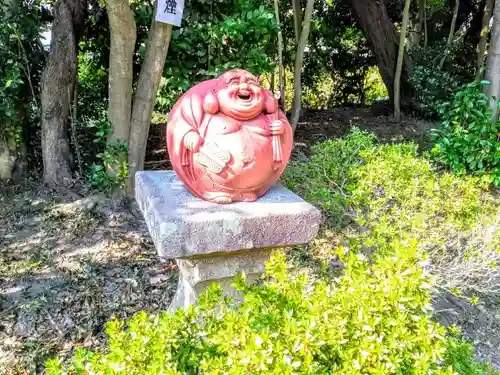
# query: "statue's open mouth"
245, 97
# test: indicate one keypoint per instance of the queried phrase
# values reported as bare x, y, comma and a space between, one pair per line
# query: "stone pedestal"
213, 242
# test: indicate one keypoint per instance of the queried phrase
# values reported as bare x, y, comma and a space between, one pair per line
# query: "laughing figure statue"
227, 139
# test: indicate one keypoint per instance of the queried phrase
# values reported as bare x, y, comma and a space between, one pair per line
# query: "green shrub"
373, 320
432, 87
326, 179
111, 169
319, 94
468, 140
455, 218
390, 191
460, 355
374, 87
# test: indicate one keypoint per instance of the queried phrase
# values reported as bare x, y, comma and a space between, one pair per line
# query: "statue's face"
240, 96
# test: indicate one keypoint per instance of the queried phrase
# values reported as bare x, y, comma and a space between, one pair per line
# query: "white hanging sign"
169, 11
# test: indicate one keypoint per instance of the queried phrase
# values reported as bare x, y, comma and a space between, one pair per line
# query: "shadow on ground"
68, 264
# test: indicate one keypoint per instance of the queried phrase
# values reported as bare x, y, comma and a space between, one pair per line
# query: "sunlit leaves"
372, 320
467, 140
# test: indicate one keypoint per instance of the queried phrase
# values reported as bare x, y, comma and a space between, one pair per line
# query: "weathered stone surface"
214, 242
184, 226
196, 274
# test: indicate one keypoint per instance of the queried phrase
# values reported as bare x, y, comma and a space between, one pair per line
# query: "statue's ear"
270, 102
211, 103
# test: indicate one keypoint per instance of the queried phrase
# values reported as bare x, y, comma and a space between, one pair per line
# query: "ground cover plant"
374, 319
390, 190
372, 314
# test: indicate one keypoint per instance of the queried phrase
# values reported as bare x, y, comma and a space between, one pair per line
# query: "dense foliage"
388, 192
373, 317
21, 56
468, 141
326, 179
432, 87
220, 36
111, 169
338, 71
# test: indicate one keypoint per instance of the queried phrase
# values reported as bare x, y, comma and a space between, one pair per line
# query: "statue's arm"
187, 123
184, 132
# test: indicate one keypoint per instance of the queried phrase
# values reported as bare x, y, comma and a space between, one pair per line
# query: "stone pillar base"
196, 274
214, 242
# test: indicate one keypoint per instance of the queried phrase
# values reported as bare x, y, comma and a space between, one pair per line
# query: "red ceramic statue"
227, 139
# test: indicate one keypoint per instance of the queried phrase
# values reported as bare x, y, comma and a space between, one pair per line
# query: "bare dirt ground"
320, 125
68, 264
71, 261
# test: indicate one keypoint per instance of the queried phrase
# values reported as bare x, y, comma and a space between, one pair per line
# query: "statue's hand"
276, 127
193, 141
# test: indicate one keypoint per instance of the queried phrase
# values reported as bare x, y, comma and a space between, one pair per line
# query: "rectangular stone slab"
183, 226
196, 274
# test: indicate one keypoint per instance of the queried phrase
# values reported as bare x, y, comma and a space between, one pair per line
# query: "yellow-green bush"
392, 192
374, 86
455, 218
326, 181
372, 320
375, 318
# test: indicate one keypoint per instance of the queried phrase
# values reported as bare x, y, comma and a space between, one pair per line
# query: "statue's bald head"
240, 74
239, 95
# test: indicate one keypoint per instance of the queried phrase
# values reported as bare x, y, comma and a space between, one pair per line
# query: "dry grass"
68, 264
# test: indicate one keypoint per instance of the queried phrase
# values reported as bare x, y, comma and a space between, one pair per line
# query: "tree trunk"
399, 64
425, 23
417, 28
493, 70
297, 19
281, 72
483, 38
58, 82
7, 160
123, 37
373, 19
299, 58
473, 34
450, 35
421, 15
144, 100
